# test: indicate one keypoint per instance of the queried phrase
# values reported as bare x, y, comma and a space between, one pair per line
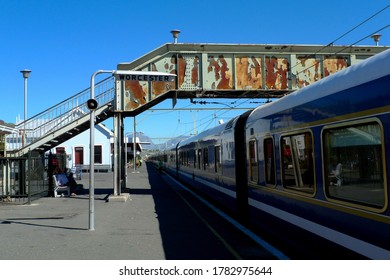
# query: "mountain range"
148, 144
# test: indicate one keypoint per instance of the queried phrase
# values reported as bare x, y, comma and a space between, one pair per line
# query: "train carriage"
318, 157
206, 162
310, 167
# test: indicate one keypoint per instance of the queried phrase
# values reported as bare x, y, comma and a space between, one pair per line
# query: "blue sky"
65, 42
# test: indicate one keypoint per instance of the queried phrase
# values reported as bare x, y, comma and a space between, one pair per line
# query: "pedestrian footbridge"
203, 71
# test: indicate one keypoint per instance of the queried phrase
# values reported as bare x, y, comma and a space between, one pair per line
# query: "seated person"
336, 175
72, 182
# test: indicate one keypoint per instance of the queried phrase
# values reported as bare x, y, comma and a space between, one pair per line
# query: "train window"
269, 161
217, 158
253, 163
183, 158
297, 162
172, 158
353, 164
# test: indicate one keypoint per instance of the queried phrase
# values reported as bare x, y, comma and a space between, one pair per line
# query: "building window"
354, 164
98, 154
60, 150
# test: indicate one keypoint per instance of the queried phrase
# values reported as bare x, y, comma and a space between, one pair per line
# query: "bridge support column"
118, 155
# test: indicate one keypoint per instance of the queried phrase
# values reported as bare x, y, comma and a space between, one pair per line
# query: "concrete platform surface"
156, 221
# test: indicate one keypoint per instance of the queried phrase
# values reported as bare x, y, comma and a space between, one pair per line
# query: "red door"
78, 155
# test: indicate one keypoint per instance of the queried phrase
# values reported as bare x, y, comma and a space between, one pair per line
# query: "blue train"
310, 167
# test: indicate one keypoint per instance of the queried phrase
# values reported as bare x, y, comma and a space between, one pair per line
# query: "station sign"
140, 87
144, 76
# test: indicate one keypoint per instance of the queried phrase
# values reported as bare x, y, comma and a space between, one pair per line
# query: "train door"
194, 157
253, 161
269, 162
199, 158
180, 159
205, 158
217, 159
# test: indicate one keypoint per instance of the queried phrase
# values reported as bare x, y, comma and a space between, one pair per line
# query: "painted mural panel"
219, 72
333, 64
188, 71
276, 72
306, 69
249, 72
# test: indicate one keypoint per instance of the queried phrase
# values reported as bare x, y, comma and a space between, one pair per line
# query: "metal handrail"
60, 115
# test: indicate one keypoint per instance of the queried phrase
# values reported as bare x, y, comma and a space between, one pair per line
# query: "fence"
23, 179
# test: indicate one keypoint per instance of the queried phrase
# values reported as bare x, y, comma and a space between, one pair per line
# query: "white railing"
58, 116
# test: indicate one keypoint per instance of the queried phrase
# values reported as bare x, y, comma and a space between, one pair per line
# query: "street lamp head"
175, 34
376, 38
26, 73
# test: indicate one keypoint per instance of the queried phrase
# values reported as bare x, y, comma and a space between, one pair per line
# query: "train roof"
365, 71
209, 133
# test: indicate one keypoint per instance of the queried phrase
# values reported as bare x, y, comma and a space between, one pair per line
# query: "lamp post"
26, 74
94, 104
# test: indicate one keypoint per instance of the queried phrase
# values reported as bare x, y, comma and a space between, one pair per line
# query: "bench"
61, 184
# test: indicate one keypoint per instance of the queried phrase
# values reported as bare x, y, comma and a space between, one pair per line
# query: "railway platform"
160, 221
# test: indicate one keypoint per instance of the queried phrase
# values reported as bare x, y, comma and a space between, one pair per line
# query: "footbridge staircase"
203, 71
60, 122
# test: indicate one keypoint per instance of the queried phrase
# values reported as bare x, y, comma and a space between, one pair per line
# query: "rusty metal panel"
138, 93
189, 74
219, 72
306, 69
249, 72
205, 69
167, 64
277, 68
333, 64
135, 93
